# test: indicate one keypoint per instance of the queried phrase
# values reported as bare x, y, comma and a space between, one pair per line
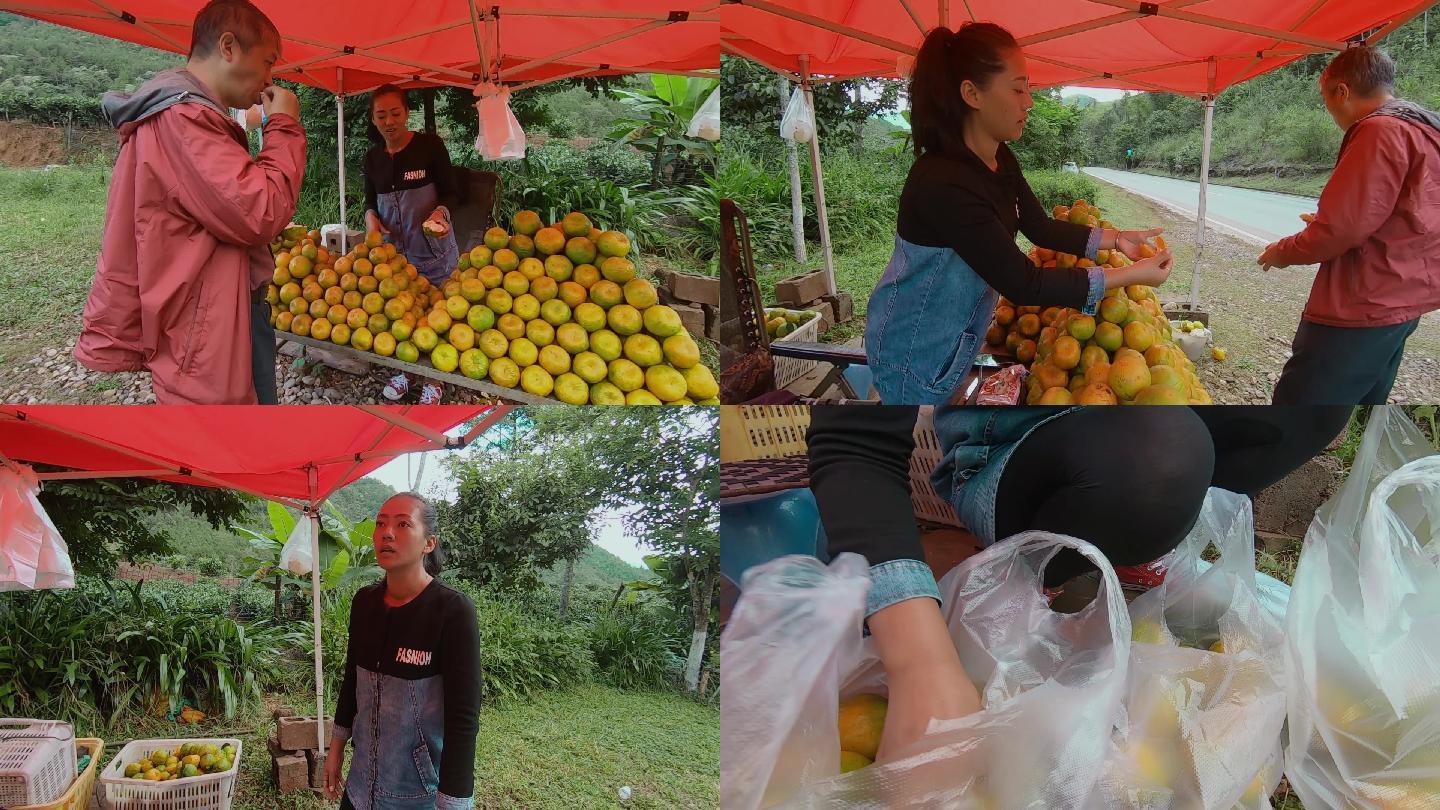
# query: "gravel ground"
1254, 314
53, 377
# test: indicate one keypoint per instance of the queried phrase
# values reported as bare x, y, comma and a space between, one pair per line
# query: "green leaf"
280, 520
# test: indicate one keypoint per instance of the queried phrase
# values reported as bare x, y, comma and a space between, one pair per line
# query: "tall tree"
663, 463
104, 520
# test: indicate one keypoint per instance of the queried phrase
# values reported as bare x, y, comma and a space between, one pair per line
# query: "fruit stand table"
422, 368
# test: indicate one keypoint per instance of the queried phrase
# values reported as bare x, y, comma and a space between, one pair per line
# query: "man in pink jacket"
180, 281
1376, 237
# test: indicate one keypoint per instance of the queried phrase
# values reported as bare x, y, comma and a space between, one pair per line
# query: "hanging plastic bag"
706, 123
500, 136
1205, 703
295, 555
1363, 631
33, 555
1050, 687
798, 123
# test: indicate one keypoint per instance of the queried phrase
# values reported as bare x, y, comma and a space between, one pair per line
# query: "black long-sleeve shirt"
436, 633
960, 203
423, 161
860, 476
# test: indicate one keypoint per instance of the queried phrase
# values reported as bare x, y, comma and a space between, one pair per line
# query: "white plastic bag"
1363, 631
706, 123
33, 555
1050, 687
500, 136
1202, 725
295, 555
798, 123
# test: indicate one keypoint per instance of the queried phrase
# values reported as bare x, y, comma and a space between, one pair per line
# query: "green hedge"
52, 109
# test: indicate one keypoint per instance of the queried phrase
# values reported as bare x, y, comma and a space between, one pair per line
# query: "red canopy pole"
340, 153
1204, 181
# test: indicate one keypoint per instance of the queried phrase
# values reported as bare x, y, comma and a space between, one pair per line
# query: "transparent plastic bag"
798, 123
499, 136
1363, 631
1203, 725
33, 555
1050, 686
295, 555
706, 123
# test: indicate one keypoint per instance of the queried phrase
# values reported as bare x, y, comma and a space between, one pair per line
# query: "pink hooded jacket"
187, 222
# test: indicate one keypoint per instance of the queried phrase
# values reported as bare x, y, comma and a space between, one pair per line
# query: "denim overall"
404, 211
977, 442
398, 735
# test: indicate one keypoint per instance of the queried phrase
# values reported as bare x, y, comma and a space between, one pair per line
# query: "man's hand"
1271, 258
276, 100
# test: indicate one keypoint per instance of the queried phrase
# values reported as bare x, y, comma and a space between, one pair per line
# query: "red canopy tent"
225, 446
1196, 48
350, 47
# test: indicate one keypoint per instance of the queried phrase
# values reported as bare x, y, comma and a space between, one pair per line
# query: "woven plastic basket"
214, 791
773, 431
37, 760
788, 369
83, 788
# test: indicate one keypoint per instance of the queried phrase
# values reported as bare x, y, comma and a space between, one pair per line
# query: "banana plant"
657, 118
347, 555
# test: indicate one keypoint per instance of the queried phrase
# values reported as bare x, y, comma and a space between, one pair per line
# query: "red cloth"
1376, 235
186, 227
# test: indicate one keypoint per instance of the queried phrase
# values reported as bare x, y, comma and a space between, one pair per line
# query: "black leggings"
1101, 474
345, 802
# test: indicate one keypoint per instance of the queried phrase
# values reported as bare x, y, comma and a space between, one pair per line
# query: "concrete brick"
316, 763
693, 318
796, 290
694, 289
842, 305
291, 773
298, 733
712, 321
283, 711
827, 313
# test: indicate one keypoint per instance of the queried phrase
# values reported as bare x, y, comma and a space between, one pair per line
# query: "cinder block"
692, 318
712, 321
316, 762
291, 773
695, 289
827, 313
283, 711
842, 306
796, 290
298, 733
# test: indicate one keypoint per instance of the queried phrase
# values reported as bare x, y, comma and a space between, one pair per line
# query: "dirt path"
1254, 314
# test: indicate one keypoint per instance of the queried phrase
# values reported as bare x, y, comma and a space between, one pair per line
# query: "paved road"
1262, 215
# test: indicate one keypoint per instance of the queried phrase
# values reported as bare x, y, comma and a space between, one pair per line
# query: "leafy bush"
634, 648
1062, 188
155, 648
521, 655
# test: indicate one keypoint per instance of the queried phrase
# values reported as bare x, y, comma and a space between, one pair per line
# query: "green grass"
254, 789
1305, 185
53, 221
577, 748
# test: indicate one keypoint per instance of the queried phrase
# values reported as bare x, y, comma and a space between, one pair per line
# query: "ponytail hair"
434, 560
975, 52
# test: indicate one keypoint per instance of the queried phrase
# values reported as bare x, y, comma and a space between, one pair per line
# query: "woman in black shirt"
963, 202
409, 190
410, 701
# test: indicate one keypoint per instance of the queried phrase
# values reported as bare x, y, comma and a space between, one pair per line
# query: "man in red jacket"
180, 280
1376, 237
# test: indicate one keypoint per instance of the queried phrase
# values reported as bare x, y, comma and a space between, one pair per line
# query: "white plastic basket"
37, 761
214, 791
923, 461
788, 369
